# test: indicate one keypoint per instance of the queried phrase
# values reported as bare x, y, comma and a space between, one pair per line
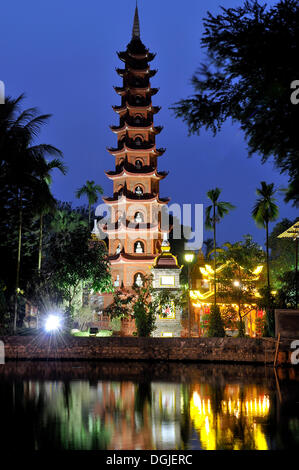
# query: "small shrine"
166, 275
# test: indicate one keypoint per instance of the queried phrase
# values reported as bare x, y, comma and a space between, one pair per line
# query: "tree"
216, 327
75, 262
214, 213
240, 278
209, 243
145, 308
21, 164
91, 190
282, 253
121, 306
265, 211
247, 78
46, 202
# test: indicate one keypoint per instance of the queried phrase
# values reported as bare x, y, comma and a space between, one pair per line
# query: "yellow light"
189, 256
236, 283
258, 270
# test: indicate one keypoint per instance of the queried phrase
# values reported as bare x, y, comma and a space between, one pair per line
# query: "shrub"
216, 327
145, 318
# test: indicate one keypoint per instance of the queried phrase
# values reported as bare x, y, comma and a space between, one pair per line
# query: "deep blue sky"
62, 54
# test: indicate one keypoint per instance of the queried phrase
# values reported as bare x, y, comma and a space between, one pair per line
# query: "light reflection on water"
196, 413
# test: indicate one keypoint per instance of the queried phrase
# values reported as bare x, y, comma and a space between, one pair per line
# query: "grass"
101, 333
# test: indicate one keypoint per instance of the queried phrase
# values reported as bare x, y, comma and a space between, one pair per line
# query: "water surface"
112, 406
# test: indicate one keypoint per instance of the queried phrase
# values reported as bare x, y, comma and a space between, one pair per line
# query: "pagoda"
134, 229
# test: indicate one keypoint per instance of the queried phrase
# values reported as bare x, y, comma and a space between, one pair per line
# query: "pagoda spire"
136, 25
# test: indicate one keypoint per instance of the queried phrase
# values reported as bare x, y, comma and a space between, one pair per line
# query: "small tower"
166, 275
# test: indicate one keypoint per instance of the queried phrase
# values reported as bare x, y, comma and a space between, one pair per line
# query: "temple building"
134, 229
233, 298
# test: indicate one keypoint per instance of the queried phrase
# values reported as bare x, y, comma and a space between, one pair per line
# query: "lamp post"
189, 257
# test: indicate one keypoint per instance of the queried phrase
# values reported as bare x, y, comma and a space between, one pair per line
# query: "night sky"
62, 54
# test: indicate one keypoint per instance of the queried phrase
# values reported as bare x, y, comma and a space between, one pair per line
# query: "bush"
216, 326
145, 318
260, 326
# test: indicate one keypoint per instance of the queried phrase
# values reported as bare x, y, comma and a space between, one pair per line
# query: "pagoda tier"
130, 170
128, 145
124, 258
131, 196
127, 56
136, 108
122, 91
126, 73
136, 127
134, 230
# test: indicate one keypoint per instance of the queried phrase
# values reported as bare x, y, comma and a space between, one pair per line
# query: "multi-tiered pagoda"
134, 233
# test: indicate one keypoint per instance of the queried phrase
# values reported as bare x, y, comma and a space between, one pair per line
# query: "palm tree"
21, 163
209, 247
264, 211
214, 213
91, 190
46, 202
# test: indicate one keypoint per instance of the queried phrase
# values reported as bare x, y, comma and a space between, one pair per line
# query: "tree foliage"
216, 326
251, 62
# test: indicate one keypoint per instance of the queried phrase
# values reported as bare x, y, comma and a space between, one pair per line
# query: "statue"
139, 248
139, 281
138, 191
138, 218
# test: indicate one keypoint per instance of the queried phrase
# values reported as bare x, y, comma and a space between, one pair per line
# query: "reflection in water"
194, 414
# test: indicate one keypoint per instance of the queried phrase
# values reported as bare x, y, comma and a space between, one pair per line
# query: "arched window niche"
139, 190
139, 247
139, 217
138, 279
138, 164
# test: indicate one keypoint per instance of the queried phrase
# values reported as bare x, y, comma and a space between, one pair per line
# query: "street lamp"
189, 257
53, 323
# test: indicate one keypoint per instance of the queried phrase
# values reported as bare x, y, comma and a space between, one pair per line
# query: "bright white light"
53, 323
236, 283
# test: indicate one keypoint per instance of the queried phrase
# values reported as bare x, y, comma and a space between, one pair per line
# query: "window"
139, 247
138, 141
138, 164
167, 281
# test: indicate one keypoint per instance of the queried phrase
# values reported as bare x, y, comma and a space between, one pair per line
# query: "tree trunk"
40, 246
18, 262
214, 227
267, 257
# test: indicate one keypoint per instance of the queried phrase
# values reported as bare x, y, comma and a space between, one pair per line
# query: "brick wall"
153, 349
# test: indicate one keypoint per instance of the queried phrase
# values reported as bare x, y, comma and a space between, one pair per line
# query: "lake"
156, 406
